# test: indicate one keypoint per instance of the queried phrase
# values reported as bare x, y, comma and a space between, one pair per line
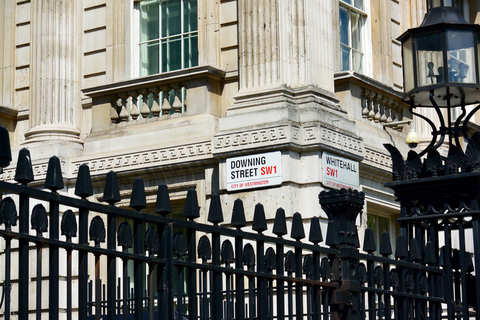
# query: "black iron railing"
136, 265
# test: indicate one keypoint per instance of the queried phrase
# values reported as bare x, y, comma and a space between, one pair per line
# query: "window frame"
363, 17
136, 43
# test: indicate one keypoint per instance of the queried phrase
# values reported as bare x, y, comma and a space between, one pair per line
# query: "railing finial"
138, 200
83, 186
280, 223
191, 210
385, 244
215, 214
163, 206
259, 220
315, 235
238, 215
111, 192
369, 244
298, 232
24, 171
54, 179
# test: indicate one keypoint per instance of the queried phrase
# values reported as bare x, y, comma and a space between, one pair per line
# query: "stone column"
55, 71
285, 42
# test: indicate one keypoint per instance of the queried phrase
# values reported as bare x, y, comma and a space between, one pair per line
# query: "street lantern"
441, 66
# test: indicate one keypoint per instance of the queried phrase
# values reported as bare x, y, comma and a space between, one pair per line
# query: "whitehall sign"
340, 172
253, 171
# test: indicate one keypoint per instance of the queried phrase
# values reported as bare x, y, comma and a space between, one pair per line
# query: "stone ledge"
305, 136
155, 80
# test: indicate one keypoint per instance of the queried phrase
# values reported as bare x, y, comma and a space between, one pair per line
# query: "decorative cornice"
146, 158
254, 138
306, 136
101, 164
39, 170
376, 159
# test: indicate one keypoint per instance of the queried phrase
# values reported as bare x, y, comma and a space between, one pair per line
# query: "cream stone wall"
267, 80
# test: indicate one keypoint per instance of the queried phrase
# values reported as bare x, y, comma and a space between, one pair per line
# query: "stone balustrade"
152, 102
158, 97
381, 107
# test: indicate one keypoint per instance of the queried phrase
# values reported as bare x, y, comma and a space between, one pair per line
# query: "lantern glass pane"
430, 68
408, 75
433, 4
461, 56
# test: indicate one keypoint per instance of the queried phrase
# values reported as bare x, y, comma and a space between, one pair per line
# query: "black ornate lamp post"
440, 196
440, 68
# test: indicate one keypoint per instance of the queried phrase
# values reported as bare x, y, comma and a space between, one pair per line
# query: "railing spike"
163, 205
191, 210
54, 179
385, 244
238, 215
280, 223
369, 244
215, 214
138, 200
315, 235
24, 171
332, 239
259, 220
5, 151
111, 192
83, 186
298, 232
415, 253
401, 250
430, 254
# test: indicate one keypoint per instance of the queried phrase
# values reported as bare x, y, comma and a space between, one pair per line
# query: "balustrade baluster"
145, 110
124, 108
134, 110
166, 107
156, 96
177, 104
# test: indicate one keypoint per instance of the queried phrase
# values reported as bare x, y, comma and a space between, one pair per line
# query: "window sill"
165, 78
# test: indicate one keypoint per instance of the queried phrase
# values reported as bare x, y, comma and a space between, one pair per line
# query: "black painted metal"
206, 271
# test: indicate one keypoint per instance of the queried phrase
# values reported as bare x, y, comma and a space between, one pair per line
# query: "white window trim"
366, 36
134, 35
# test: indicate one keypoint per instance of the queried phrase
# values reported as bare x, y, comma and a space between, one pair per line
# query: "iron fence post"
23, 247
342, 207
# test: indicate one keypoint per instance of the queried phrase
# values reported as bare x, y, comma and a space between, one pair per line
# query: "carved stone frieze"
376, 158
39, 170
299, 135
137, 160
253, 138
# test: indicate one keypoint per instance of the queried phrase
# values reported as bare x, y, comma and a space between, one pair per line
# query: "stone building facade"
175, 91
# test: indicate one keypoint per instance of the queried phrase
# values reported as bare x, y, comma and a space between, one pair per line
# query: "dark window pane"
171, 18
172, 53
343, 26
149, 58
190, 16
190, 47
149, 20
345, 54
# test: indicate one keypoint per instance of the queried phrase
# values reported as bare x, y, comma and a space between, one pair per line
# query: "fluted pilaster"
55, 74
285, 42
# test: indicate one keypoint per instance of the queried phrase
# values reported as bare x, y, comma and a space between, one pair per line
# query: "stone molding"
39, 170
302, 136
376, 158
141, 159
122, 162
